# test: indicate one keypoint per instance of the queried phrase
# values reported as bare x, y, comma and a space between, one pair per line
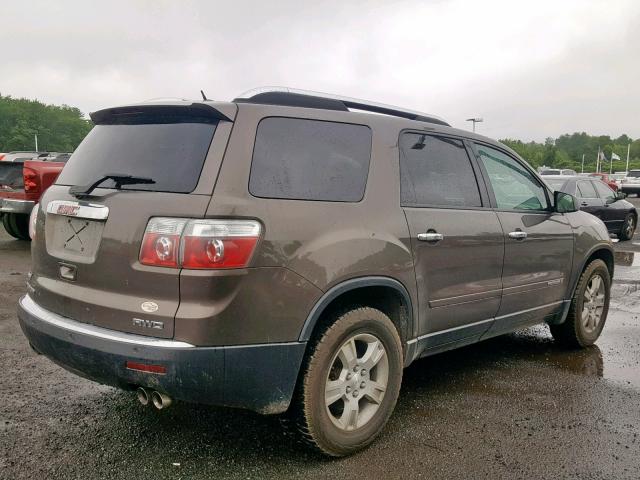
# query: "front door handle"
584, 204
518, 235
430, 237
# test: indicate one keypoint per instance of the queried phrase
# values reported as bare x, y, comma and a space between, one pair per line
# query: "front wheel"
628, 228
589, 307
350, 383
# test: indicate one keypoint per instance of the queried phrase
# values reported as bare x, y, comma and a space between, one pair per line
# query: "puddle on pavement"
626, 259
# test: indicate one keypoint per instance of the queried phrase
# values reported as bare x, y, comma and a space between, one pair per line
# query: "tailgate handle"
90, 211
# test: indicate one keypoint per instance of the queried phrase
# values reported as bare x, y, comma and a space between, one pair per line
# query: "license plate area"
72, 237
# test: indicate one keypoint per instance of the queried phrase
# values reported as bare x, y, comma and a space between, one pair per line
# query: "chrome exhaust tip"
160, 400
143, 396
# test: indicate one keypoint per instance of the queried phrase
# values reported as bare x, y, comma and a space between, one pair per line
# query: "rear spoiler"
171, 113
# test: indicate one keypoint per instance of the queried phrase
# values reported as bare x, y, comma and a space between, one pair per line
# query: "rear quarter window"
302, 159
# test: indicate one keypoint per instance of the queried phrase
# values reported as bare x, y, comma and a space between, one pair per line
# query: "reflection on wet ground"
626, 259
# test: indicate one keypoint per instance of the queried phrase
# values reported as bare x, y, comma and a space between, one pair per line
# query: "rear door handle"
518, 235
430, 237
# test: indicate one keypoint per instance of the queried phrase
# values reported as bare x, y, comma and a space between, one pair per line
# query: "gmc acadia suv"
286, 254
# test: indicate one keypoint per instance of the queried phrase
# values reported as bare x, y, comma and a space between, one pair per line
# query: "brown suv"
286, 254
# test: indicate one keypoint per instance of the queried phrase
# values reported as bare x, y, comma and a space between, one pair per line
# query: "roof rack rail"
292, 97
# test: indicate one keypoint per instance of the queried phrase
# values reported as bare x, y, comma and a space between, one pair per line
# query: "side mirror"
620, 195
564, 203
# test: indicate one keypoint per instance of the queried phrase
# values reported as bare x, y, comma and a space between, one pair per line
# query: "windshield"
171, 153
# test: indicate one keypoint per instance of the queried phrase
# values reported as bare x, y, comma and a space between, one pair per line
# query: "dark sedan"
597, 198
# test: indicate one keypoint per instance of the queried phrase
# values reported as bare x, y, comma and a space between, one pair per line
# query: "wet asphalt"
516, 406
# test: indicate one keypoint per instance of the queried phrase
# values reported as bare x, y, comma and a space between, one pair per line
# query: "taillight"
161, 242
219, 243
199, 244
30, 179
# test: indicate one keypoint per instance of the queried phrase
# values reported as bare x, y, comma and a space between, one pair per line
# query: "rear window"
172, 154
310, 160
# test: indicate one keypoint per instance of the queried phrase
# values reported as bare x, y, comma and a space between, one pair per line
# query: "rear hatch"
87, 245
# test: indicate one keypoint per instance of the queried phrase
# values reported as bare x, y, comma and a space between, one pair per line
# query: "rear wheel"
588, 310
628, 227
16, 225
350, 383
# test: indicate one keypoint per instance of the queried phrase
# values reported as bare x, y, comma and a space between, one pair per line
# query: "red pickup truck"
21, 185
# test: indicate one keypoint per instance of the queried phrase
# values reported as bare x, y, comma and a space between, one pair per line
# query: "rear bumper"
630, 187
255, 377
13, 205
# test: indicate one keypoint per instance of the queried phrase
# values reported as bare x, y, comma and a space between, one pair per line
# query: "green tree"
59, 128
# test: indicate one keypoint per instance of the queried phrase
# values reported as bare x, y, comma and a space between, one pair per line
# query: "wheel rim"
630, 227
357, 381
593, 304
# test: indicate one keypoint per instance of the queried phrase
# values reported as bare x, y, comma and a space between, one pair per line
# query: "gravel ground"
512, 407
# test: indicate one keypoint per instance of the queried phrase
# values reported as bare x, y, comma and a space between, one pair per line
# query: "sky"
530, 69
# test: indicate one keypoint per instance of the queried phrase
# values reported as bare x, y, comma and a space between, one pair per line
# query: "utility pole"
582, 168
475, 120
35, 136
628, 150
598, 161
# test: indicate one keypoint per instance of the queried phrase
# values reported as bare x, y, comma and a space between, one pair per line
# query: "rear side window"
172, 154
586, 190
310, 160
436, 171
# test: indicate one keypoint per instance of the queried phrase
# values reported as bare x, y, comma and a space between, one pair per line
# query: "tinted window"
514, 187
605, 192
310, 160
436, 171
172, 154
634, 173
586, 190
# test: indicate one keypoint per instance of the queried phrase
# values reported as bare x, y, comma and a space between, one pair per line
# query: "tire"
327, 422
585, 321
8, 226
628, 227
16, 225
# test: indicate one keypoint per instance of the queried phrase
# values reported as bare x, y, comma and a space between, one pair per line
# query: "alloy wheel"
593, 304
357, 381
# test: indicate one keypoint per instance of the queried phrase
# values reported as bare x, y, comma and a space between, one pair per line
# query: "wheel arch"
601, 252
384, 293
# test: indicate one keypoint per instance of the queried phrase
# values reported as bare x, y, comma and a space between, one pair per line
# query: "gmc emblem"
69, 210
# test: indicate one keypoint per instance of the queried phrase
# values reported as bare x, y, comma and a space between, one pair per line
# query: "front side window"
310, 160
436, 171
605, 192
586, 190
514, 187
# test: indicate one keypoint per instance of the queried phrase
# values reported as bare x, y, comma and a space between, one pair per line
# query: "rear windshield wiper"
119, 179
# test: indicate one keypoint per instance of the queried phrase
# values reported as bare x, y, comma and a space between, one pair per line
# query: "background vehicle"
606, 179
557, 171
631, 183
296, 262
18, 156
22, 182
597, 198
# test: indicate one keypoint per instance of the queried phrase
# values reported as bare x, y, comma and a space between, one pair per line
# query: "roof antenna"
204, 97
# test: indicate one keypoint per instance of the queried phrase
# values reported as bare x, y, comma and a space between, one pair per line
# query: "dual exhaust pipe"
152, 397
